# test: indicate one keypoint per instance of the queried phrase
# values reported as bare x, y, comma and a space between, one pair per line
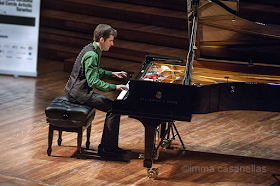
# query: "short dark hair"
103, 30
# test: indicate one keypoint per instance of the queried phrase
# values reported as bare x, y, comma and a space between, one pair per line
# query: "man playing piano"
87, 76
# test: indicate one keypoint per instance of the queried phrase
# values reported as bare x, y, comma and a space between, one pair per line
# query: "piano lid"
234, 31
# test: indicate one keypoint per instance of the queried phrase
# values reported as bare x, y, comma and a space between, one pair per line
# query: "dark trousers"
110, 134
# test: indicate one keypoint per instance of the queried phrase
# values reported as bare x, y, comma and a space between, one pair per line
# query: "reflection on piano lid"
240, 37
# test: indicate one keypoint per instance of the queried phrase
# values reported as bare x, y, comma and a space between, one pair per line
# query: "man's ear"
101, 40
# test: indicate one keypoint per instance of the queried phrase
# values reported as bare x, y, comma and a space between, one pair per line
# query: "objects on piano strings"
166, 73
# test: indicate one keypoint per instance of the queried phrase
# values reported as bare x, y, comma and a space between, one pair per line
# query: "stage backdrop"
19, 31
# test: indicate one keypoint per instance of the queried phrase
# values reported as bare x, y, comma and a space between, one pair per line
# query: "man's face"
106, 44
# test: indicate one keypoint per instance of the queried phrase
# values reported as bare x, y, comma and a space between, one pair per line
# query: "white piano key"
123, 92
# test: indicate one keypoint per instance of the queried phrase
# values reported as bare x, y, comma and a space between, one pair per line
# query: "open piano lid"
238, 31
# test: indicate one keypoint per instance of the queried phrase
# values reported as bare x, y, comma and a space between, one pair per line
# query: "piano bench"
65, 116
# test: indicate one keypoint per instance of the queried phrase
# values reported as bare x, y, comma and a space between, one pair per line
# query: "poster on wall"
19, 33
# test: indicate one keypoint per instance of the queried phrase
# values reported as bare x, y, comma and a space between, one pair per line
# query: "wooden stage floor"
223, 148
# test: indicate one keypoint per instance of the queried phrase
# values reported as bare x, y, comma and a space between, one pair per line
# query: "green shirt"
94, 73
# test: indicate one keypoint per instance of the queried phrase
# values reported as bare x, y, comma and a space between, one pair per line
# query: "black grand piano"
164, 89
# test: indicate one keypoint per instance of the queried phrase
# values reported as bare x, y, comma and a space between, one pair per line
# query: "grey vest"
77, 86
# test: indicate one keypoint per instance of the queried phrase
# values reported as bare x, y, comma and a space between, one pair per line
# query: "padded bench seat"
65, 116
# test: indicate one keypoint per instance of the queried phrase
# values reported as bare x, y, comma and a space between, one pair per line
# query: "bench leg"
79, 142
88, 137
49, 151
59, 140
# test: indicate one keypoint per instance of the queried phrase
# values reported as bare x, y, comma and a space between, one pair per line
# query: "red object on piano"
150, 76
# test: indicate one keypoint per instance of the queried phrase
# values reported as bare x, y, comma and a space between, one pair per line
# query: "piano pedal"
166, 143
142, 156
152, 173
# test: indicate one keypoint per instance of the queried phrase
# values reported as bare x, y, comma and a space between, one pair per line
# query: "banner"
19, 34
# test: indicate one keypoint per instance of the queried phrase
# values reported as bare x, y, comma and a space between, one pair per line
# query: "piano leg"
149, 155
149, 146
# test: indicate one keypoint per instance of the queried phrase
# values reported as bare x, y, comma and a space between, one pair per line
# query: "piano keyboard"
124, 93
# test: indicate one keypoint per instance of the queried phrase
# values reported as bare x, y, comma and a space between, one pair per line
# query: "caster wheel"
166, 143
152, 173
